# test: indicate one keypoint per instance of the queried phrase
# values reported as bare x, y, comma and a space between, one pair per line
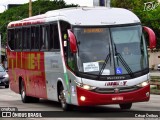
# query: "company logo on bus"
116, 90
116, 78
116, 83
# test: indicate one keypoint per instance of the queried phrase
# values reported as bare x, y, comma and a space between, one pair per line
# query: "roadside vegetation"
155, 85
20, 12
147, 11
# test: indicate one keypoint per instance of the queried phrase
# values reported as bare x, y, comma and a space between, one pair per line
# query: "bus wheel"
34, 99
24, 97
125, 106
62, 99
6, 86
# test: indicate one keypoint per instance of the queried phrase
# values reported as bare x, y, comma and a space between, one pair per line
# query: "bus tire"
24, 97
34, 99
62, 99
125, 106
6, 86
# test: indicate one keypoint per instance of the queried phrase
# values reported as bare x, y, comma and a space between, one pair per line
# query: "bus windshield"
111, 51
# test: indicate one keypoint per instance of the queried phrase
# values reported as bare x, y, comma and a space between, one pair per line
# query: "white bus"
81, 56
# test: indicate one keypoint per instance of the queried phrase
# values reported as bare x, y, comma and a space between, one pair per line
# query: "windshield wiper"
121, 59
104, 64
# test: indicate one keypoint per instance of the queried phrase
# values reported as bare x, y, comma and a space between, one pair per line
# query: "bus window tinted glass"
11, 38
26, 33
56, 38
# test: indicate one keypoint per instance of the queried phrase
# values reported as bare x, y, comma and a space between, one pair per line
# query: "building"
154, 58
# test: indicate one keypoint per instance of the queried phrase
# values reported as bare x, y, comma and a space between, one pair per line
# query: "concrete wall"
153, 59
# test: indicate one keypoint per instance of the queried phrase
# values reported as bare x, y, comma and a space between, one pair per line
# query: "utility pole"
107, 3
30, 8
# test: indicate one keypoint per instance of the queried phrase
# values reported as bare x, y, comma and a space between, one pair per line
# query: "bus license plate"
117, 98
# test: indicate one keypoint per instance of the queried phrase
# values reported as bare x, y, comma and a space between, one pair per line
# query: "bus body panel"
93, 98
29, 66
12, 72
53, 72
101, 98
115, 83
95, 16
73, 89
91, 17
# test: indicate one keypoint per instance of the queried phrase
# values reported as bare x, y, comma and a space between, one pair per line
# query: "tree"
21, 12
148, 12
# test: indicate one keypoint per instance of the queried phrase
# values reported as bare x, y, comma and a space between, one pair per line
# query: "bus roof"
83, 16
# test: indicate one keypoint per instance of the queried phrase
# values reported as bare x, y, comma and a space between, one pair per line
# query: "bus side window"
37, 38
27, 37
11, 38
24, 38
45, 38
54, 37
41, 37
51, 36
69, 57
56, 44
64, 27
32, 38
18, 39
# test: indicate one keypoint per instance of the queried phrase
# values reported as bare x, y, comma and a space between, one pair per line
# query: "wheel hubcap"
23, 94
62, 98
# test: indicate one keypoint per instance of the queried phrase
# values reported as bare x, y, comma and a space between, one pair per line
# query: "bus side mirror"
72, 41
152, 37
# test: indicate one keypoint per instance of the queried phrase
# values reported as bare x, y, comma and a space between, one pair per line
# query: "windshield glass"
129, 43
111, 51
93, 46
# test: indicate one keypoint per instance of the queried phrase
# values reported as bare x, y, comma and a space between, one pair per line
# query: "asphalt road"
11, 99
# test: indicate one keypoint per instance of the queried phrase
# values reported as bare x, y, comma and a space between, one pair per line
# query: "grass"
154, 89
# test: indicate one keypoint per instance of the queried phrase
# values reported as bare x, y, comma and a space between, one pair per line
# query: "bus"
76, 56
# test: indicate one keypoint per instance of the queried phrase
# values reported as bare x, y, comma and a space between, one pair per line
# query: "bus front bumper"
89, 98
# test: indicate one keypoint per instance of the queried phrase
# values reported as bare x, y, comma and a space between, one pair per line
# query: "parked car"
4, 78
158, 67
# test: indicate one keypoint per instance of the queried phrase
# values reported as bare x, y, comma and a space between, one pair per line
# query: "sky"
4, 3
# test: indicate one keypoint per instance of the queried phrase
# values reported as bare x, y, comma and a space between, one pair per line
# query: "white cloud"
4, 3
2, 8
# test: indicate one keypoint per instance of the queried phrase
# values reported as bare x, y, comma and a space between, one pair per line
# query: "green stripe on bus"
66, 79
68, 88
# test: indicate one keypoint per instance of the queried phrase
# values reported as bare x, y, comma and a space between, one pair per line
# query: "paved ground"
11, 99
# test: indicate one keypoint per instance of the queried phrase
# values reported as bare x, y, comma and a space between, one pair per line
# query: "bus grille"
114, 90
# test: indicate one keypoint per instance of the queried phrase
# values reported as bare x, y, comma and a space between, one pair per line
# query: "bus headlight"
84, 86
143, 84
88, 87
